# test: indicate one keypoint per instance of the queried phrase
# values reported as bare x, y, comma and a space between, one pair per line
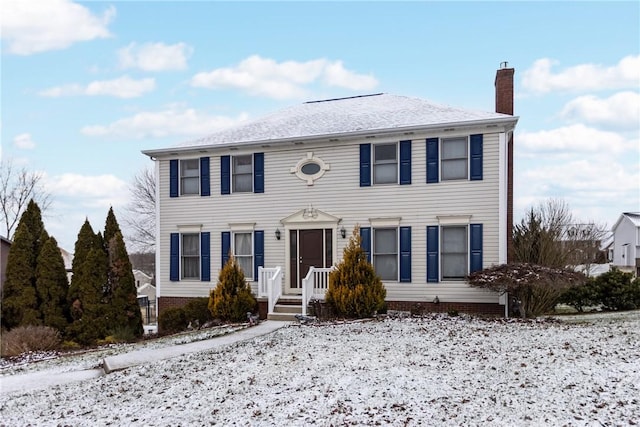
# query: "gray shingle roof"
343, 116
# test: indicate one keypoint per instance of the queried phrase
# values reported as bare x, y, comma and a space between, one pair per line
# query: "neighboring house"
5, 245
429, 186
67, 257
626, 243
141, 278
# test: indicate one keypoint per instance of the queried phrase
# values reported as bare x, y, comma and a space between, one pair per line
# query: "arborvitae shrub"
172, 320
24, 339
355, 290
197, 309
232, 297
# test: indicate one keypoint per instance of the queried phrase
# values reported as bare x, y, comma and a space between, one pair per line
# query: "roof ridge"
343, 98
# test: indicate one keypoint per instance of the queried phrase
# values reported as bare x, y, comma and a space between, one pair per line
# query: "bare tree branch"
17, 188
141, 211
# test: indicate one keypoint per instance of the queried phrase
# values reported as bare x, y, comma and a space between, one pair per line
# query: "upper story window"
189, 176
190, 256
242, 174
388, 163
385, 164
454, 158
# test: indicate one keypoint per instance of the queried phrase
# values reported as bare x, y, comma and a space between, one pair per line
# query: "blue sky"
86, 86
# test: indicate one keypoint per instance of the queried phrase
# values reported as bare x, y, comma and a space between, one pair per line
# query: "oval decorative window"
310, 168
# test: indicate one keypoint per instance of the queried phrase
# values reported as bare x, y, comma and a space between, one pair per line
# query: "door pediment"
309, 215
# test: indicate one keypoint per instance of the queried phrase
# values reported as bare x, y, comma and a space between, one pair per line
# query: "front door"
308, 248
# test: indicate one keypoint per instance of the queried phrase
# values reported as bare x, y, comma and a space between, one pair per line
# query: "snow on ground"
436, 370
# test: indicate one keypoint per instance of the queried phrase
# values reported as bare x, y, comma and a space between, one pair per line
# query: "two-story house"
429, 186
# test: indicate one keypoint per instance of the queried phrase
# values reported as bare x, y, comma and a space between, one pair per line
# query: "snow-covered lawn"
436, 370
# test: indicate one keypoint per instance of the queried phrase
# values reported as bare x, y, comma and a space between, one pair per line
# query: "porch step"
286, 309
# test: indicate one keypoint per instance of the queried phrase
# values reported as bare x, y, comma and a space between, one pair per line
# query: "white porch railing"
315, 285
270, 285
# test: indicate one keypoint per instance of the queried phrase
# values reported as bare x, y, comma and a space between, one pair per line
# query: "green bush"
172, 320
197, 310
617, 291
24, 339
580, 297
232, 297
355, 290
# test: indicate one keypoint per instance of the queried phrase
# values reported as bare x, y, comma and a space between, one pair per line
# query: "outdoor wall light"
343, 232
277, 234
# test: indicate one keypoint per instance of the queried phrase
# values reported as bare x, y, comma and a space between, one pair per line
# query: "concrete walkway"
49, 378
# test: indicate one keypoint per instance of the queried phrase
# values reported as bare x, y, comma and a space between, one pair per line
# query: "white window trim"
454, 219
373, 162
189, 228
242, 226
373, 248
248, 277
310, 158
440, 251
389, 222
233, 190
440, 160
181, 266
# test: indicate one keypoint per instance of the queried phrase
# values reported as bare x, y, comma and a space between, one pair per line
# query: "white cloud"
122, 87
621, 110
30, 27
264, 76
24, 141
540, 78
101, 187
572, 139
155, 56
169, 122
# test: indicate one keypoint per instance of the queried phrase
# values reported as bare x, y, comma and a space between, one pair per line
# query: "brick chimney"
504, 89
504, 105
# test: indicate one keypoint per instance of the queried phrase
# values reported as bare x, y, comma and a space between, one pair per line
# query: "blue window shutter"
174, 257
433, 261
405, 254
205, 257
173, 178
365, 165
365, 241
475, 157
475, 246
258, 173
258, 251
432, 160
225, 174
405, 162
205, 182
226, 246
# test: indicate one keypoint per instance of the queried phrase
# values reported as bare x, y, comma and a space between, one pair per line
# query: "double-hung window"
385, 253
242, 174
454, 158
385, 163
190, 176
453, 250
243, 252
190, 256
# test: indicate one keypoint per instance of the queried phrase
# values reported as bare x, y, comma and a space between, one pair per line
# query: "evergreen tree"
90, 317
232, 297
355, 290
52, 285
123, 307
20, 305
86, 241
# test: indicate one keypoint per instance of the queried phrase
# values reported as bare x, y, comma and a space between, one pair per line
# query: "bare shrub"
24, 339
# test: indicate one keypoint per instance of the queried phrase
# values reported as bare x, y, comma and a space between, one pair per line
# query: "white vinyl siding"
338, 193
